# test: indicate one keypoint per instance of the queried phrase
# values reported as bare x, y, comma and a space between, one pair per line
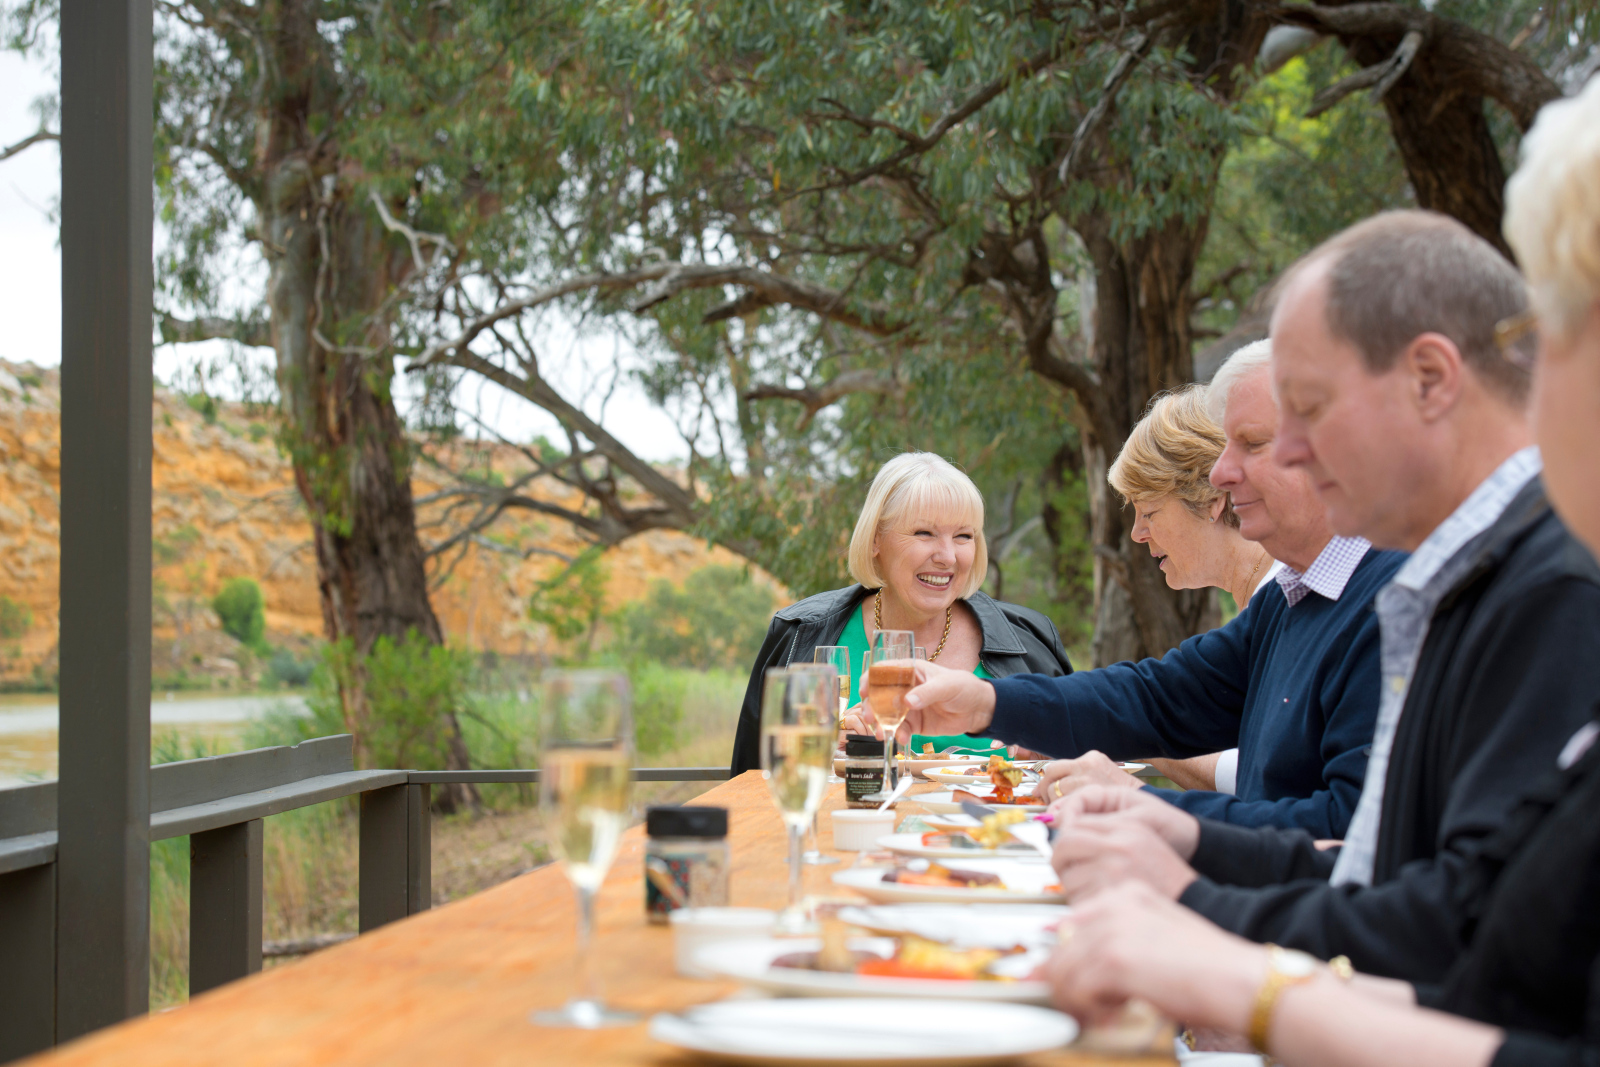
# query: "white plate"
751, 962
911, 845
946, 804
999, 926
1026, 883
954, 777
836, 1032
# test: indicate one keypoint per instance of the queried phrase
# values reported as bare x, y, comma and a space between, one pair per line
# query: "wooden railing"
219, 802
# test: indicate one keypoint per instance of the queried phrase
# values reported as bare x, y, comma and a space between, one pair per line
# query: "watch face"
1293, 963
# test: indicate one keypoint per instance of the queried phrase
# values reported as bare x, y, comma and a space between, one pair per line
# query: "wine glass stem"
888, 761
588, 981
795, 834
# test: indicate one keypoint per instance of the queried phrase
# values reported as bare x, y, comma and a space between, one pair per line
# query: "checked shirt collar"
1328, 574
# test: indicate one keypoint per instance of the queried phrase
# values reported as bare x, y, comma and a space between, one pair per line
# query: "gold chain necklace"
877, 622
1250, 582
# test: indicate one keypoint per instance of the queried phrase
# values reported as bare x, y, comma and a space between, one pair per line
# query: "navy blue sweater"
1296, 689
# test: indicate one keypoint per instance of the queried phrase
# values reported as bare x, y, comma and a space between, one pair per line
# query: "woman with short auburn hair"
919, 559
1163, 473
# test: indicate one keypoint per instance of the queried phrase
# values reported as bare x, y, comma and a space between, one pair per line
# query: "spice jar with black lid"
686, 859
863, 769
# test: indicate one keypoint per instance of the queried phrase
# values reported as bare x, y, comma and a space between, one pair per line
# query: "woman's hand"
1129, 942
859, 720
1063, 777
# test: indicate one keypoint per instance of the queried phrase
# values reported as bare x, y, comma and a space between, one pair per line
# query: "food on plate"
913, 957
1006, 776
991, 833
994, 799
940, 876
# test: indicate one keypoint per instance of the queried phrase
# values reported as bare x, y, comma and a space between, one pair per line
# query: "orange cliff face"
224, 505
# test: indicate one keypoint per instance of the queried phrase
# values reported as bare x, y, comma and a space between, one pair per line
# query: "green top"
854, 638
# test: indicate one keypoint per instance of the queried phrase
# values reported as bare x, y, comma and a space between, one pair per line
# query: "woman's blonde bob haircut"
1171, 452
1553, 210
918, 487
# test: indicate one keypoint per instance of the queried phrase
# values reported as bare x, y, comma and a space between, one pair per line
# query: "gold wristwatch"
1286, 967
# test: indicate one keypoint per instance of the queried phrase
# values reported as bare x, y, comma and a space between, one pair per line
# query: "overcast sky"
30, 299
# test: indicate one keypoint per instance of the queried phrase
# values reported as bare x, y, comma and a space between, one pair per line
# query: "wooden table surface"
456, 984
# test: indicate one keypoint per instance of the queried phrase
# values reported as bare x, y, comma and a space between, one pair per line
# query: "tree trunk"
331, 268
1141, 345
1444, 140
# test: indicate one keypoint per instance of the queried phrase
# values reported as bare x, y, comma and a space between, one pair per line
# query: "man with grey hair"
1291, 682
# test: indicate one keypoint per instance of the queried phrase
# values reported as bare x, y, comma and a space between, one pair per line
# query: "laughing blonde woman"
918, 558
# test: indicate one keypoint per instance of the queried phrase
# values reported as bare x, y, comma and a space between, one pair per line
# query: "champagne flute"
889, 678
585, 786
799, 721
837, 657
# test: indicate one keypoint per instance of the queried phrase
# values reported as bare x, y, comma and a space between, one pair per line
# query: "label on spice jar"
696, 879
860, 782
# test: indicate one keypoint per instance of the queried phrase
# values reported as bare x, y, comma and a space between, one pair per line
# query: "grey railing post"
385, 879
224, 905
103, 857
27, 961
419, 848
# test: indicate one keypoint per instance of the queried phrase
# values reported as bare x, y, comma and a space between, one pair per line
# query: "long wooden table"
456, 984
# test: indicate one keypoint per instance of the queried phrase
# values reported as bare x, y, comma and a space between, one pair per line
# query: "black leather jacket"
1016, 640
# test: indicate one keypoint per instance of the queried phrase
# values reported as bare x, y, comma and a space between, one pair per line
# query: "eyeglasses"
1517, 339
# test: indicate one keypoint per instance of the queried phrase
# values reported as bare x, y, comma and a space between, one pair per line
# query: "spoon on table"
899, 790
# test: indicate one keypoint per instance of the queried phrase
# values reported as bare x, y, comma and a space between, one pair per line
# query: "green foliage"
15, 618
413, 689
285, 668
717, 619
242, 610
570, 602
206, 407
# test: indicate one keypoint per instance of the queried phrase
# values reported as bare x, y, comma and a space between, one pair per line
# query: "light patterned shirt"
1328, 574
1405, 607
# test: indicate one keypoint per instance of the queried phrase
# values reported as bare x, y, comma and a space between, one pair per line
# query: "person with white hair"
919, 560
1525, 992
1292, 681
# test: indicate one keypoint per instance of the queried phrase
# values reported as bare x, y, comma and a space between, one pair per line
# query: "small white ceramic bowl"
858, 829
695, 928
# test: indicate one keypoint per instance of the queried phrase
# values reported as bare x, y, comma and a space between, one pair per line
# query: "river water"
29, 723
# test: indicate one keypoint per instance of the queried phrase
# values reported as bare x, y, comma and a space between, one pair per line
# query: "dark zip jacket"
1506, 675
1016, 640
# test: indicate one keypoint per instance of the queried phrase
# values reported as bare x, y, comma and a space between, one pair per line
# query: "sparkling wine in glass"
839, 657
585, 790
889, 678
799, 721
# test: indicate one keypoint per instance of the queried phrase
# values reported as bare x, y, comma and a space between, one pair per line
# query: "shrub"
240, 607
413, 690
14, 618
718, 619
285, 669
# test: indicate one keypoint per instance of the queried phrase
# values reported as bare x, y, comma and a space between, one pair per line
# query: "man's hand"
1066, 776
944, 701
1179, 829
1100, 851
